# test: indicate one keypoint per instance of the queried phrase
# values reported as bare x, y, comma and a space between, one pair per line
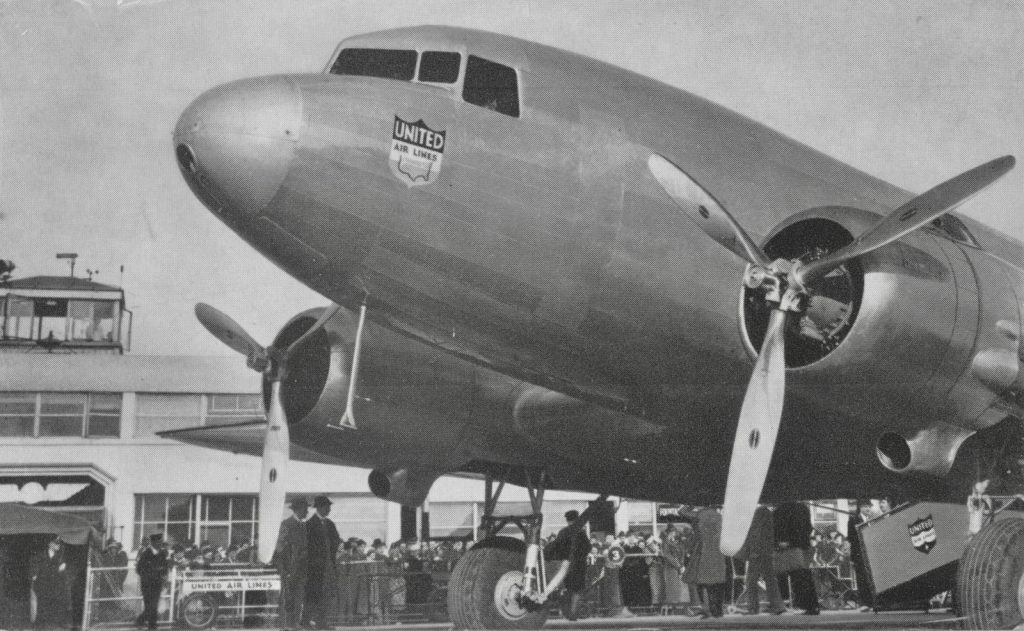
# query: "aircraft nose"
235, 143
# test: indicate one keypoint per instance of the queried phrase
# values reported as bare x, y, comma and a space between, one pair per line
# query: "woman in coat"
673, 554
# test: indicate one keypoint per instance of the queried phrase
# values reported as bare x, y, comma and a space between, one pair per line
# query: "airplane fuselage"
538, 245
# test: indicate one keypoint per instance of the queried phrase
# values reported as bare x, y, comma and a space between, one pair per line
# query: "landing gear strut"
500, 583
494, 585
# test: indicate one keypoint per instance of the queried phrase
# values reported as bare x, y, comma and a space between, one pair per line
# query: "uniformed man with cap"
323, 541
152, 566
291, 558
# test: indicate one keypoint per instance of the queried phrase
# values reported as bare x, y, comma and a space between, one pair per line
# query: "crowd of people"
679, 568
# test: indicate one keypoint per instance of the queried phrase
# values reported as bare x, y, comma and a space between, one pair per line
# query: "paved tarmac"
829, 620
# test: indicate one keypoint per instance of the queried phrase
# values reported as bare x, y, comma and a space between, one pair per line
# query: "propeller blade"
755, 436
705, 210
911, 216
272, 476
319, 324
228, 331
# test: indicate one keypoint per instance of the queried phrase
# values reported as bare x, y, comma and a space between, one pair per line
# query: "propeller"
273, 363
787, 291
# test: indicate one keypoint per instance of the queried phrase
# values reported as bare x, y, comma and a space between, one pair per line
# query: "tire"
482, 590
989, 577
198, 611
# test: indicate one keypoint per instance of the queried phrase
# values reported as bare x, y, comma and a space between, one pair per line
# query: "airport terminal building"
79, 416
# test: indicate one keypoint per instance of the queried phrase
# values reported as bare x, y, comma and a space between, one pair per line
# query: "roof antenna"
71, 256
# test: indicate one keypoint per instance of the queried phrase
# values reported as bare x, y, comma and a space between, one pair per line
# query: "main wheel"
484, 590
988, 582
198, 611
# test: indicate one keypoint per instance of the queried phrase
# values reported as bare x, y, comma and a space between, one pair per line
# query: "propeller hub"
821, 312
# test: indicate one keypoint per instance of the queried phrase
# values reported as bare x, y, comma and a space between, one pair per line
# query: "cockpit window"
954, 229
439, 67
491, 85
376, 62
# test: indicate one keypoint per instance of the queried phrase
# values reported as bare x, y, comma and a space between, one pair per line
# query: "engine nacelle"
895, 332
408, 487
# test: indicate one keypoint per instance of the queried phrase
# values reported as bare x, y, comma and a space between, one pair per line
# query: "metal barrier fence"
225, 595
364, 592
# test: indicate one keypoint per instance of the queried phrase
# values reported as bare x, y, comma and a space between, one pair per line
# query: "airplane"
557, 273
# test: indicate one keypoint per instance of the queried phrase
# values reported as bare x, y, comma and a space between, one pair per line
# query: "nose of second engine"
235, 143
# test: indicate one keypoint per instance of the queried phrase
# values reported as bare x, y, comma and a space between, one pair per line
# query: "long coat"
707, 563
760, 542
50, 587
291, 554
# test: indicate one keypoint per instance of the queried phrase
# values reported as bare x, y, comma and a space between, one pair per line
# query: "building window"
92, 320
172, 515
72, 414
17, 413
233, 407
61, 414
363, 516
18, 323
220, 521
52, 314
160, 412
227, 520
103, 419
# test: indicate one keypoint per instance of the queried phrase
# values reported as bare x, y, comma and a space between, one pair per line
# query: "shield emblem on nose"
416, 152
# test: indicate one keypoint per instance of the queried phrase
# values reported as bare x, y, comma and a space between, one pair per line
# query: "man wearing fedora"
323, 541
291, 558
152, 566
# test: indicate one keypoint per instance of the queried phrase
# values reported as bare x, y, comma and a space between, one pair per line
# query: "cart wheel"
198, 611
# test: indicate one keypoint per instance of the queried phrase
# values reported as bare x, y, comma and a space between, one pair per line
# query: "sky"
90, 90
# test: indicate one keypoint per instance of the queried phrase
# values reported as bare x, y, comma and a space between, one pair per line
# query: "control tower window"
376, 62
439, 67
491, 85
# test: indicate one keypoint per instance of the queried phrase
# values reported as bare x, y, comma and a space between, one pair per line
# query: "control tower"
63, 314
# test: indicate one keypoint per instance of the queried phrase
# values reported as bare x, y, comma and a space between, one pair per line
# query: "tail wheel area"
484, 590
990, 589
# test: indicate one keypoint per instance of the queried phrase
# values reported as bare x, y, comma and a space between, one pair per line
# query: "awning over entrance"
17, 519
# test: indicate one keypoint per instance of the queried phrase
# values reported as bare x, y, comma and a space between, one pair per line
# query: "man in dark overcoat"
323, 541
793, 538
49, 584
291, 558
706, 566
757, 551
152, 566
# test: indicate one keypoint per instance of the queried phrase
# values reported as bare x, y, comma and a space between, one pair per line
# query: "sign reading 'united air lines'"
416, 152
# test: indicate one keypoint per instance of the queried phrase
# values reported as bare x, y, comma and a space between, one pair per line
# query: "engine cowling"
894, 331
408, 486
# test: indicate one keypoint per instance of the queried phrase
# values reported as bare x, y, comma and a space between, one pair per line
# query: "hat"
321, 500
299, 502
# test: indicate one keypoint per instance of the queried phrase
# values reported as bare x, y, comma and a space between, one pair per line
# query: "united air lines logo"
922, 534
416, 152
